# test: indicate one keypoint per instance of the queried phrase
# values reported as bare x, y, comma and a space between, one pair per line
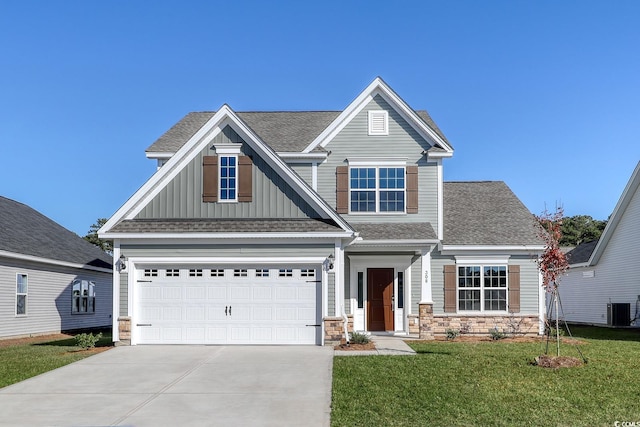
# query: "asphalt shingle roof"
224, 226
25, 231
284, 131
581, 253
395, 231
486, 213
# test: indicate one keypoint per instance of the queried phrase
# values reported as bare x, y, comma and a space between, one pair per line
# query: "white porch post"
338, 278
115, 328
425, 279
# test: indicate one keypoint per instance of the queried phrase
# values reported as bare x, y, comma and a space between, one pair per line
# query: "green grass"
22, 361
492, 384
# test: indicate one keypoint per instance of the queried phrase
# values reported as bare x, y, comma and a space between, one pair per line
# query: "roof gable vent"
378, 123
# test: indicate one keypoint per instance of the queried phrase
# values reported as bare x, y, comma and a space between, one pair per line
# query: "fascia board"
227, 260
458, 249
307, 156
407, 242
440, 155
159, 154
377, 87
201, 236
579, 265
49, 261
629, 191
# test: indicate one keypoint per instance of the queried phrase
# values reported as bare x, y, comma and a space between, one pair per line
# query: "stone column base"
334, 329
426, 321
124, 330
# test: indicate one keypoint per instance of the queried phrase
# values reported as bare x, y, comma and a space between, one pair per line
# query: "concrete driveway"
179, 386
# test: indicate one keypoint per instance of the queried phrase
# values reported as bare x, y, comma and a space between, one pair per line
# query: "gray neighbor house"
293, 227
51, 280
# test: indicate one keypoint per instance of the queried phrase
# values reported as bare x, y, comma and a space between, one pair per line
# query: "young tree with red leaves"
552, 262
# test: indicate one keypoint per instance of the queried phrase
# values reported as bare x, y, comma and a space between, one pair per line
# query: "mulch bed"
355, 347
555, 362
40, 339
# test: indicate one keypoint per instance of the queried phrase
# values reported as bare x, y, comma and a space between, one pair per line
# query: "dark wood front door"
380, 299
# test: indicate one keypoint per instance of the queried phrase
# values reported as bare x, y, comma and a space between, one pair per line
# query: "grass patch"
28, 359
491, 383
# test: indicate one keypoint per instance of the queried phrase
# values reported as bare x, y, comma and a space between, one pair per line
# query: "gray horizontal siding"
304, 170
272, 196
124, 294
49, 299
402, 141
331, 295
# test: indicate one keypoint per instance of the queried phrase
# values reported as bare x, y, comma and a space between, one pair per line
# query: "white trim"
226, 148
426, 296
481, 260
292, 157
377, 161
200, 236
115, 327
487, 249
138, 261
440, 197
314, 176
158, 155
223, 117
378, 87
407, 242
31, 258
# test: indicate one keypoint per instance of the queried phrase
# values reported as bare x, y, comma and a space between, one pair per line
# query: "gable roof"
625, 199
26, 232
422, 124
225, 116
486, 213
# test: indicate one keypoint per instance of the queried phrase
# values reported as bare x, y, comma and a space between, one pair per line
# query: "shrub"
452, 334
89, 340
496, 334
359, 338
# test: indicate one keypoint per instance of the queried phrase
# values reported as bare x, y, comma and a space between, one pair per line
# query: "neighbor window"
22, 288
83, 297
377, 189
482, 288
228, 175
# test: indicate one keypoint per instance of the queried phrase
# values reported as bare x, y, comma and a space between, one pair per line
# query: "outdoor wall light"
330, 260
121, 263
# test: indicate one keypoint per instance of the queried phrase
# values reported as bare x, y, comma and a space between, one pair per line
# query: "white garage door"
222, 305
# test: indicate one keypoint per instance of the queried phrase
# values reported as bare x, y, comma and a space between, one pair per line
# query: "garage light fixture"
330, 260
121, 264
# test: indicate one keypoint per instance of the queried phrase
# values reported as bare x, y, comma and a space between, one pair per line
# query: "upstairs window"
83, 297
379, 189
228, 181
22, 288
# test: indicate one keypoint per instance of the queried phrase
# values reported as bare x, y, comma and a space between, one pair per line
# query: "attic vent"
378, 123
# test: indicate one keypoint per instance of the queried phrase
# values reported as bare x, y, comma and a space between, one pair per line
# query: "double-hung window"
482, 288
22, 288
83, 297
377, 189
228, 178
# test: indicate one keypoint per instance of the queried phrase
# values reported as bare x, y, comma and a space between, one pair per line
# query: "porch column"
425, 279
339, 278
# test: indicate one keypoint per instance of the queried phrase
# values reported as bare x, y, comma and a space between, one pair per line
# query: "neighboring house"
283, 227
51, 280
598, 288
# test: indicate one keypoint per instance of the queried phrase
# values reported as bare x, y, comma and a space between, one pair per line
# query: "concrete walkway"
179, 386
385, 345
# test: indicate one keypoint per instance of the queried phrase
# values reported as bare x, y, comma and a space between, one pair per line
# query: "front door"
380, 299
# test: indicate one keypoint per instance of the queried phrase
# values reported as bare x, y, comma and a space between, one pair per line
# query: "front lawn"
491, 383
26, 358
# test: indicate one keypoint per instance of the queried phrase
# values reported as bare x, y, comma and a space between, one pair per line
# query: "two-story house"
289, 227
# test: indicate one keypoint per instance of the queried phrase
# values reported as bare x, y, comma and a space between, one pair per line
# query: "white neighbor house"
599, 288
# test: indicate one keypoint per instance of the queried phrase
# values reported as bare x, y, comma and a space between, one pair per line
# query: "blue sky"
544, 95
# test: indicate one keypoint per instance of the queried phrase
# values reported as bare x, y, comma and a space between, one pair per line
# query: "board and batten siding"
272, 196
529, 283
49, 299
403, 141
585, 299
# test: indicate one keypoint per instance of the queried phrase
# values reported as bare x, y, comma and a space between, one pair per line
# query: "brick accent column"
426, 321
124, 330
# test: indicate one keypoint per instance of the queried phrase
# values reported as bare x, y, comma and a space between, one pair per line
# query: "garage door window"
285, 272
262, 272
217, 272
240, 272
195, 272
307, 272
172, 272
150, 272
